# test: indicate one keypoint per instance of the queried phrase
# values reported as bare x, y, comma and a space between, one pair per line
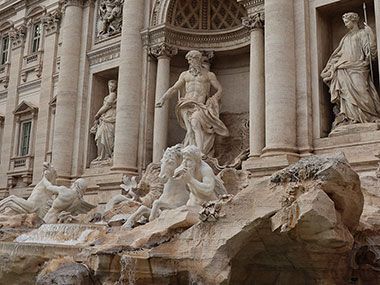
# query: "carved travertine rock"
347, 73
39, 200
196, 111
104, 125
69, 201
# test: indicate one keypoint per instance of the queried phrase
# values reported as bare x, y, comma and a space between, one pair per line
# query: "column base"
266, 165
125, 170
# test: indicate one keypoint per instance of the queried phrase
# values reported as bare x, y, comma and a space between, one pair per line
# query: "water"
128, 270
62, 234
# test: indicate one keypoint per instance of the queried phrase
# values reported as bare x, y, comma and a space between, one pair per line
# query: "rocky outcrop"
295, 228
68, 273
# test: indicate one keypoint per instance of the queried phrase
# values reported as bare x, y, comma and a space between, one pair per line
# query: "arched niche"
211, 27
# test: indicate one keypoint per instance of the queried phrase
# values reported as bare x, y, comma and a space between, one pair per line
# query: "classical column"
67, 92
129, 88
51, 23
163, 53
255, 22
280, 78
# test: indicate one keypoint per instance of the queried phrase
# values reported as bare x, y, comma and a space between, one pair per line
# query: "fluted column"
67, 88
280, 78
256, 83
129, 88
163, 53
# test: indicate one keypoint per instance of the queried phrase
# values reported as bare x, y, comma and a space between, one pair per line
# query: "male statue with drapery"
198, 112
347, 73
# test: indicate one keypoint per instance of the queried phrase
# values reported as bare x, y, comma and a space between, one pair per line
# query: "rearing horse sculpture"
39, 200
175, 193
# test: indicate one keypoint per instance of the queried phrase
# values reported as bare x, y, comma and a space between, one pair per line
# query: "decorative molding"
17, 36
104, 54
163, 50
189, 39
4, 74
251, 5
3, 94
51, 21
35, 84
79, 3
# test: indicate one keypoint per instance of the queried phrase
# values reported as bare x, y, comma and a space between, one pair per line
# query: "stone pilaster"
163, 53
51, 23
129, 88
255, 22
17, 36
67, 92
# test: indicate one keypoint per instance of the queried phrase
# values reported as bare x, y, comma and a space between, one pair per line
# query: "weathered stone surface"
21, 221
162, 229
68, 273
258, 241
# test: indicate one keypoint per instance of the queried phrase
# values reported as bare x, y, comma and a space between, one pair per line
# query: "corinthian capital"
163, 50
17, 36
254, 21
51, 21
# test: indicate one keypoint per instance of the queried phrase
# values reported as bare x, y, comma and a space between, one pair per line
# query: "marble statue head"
351, 16
194, 55
112, 84
192, 152
80, 185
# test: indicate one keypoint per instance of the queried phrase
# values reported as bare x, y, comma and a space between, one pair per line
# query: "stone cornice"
163, 50
251, 4
80, 3
190, 39
104, 54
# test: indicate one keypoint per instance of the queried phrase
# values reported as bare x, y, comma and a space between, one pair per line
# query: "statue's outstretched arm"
51, 187
172, 90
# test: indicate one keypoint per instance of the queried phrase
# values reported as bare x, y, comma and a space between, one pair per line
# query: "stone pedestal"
129, 88
161, 116
67, 93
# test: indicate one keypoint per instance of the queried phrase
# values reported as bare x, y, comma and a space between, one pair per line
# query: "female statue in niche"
104, 125
347, 73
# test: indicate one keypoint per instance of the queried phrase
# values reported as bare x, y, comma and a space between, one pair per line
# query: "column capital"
254, 21
17, 35
79, 3
163, 50
51, 21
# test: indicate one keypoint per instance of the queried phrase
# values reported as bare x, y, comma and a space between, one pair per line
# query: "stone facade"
57, 57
